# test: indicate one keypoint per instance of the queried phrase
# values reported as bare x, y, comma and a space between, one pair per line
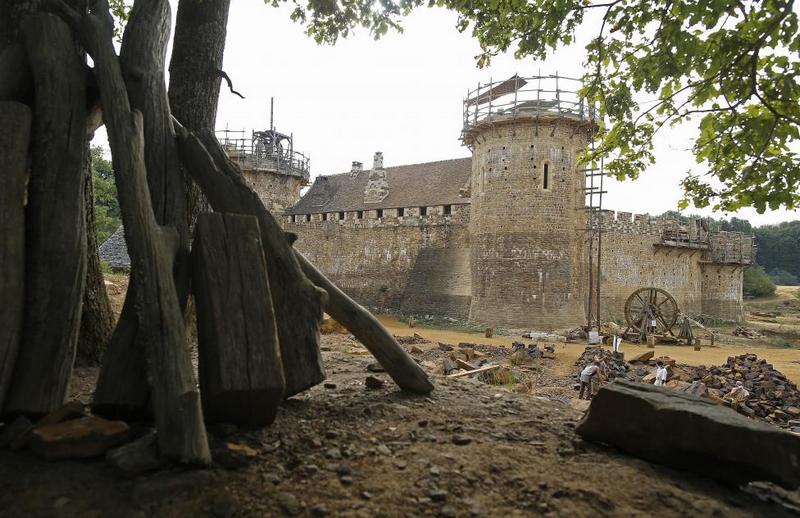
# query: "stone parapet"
376, 218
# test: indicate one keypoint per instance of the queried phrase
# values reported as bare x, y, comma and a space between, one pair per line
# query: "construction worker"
661, 374
587, 376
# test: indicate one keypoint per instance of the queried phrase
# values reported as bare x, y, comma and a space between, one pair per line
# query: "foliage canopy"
730, 67
756, 282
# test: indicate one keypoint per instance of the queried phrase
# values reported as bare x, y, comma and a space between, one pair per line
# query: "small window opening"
359, 214
380, 213
546, 177
324, 216
401, 212
423, 211
308, 217
294, 218
448, 209
341, 215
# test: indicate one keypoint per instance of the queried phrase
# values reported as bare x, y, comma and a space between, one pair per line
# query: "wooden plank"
241, 376
297, 302
152, 248
14, 138
55, 238
475, 371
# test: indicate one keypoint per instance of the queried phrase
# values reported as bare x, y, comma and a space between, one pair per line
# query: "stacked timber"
772, 397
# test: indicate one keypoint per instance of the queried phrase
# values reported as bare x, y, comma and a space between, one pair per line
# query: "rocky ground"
342, 449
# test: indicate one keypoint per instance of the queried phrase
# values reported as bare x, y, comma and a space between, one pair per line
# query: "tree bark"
121, 391
152, 248
97, 318
241, 375
194, 81
55, 228
14, 141
297, 302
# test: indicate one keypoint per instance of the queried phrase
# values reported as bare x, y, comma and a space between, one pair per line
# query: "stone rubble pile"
772, 398
747, 332
611, 365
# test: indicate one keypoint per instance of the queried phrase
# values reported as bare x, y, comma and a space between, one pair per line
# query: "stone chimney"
377, 185
356, 168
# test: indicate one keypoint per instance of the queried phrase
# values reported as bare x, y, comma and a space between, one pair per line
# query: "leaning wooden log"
297, 302
369, 331
121, 389
241, 375
218, 173
14, 138
152, 248
55, 262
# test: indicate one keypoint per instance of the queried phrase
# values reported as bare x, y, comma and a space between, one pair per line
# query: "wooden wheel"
653, 304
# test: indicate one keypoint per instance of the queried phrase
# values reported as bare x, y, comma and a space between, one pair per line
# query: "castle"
510, 237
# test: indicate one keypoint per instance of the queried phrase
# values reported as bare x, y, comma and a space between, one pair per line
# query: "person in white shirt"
661, 374
615, 342
587, 375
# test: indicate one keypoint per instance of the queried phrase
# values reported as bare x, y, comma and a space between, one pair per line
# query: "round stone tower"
527, 202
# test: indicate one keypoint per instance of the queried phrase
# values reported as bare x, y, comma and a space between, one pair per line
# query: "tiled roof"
416, 185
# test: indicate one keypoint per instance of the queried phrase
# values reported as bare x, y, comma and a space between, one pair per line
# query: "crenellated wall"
412, 264
639, 250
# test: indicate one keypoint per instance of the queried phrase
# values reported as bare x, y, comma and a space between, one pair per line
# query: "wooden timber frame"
153, 350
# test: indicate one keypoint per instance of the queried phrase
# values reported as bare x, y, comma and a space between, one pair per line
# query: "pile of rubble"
747, 332
772, 397
611, 366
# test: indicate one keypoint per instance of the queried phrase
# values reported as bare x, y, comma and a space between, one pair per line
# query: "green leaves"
729, 67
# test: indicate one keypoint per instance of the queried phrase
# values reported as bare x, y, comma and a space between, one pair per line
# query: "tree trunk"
14, 141
297, 302
152, 248
194, 81
241, 376
97, 318
121, 391
55, 228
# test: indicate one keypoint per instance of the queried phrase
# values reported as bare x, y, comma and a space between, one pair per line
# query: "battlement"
694, 233
402, 216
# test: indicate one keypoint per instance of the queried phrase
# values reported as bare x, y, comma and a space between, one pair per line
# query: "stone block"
136, 457
642, 357
688, 433
78, 438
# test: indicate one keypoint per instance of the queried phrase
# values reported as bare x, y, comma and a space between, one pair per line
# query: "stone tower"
527, 251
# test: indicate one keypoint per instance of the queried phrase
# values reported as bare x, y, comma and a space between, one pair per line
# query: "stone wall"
277, 191
722, 291
410, 264
634, 256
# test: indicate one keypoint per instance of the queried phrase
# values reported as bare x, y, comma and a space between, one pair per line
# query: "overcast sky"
401, 95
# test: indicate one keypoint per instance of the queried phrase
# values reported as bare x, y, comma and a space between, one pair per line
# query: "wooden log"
474, 371
152, 248
122, 391
369, 331
14, 139
241, 375
297, 302
55, 236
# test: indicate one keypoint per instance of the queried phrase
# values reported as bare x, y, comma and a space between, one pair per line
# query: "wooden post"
14, 138
227, 191
152, 248
55, 262
241, 376
297, 302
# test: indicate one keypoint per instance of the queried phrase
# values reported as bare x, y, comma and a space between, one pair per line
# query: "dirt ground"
469, 449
